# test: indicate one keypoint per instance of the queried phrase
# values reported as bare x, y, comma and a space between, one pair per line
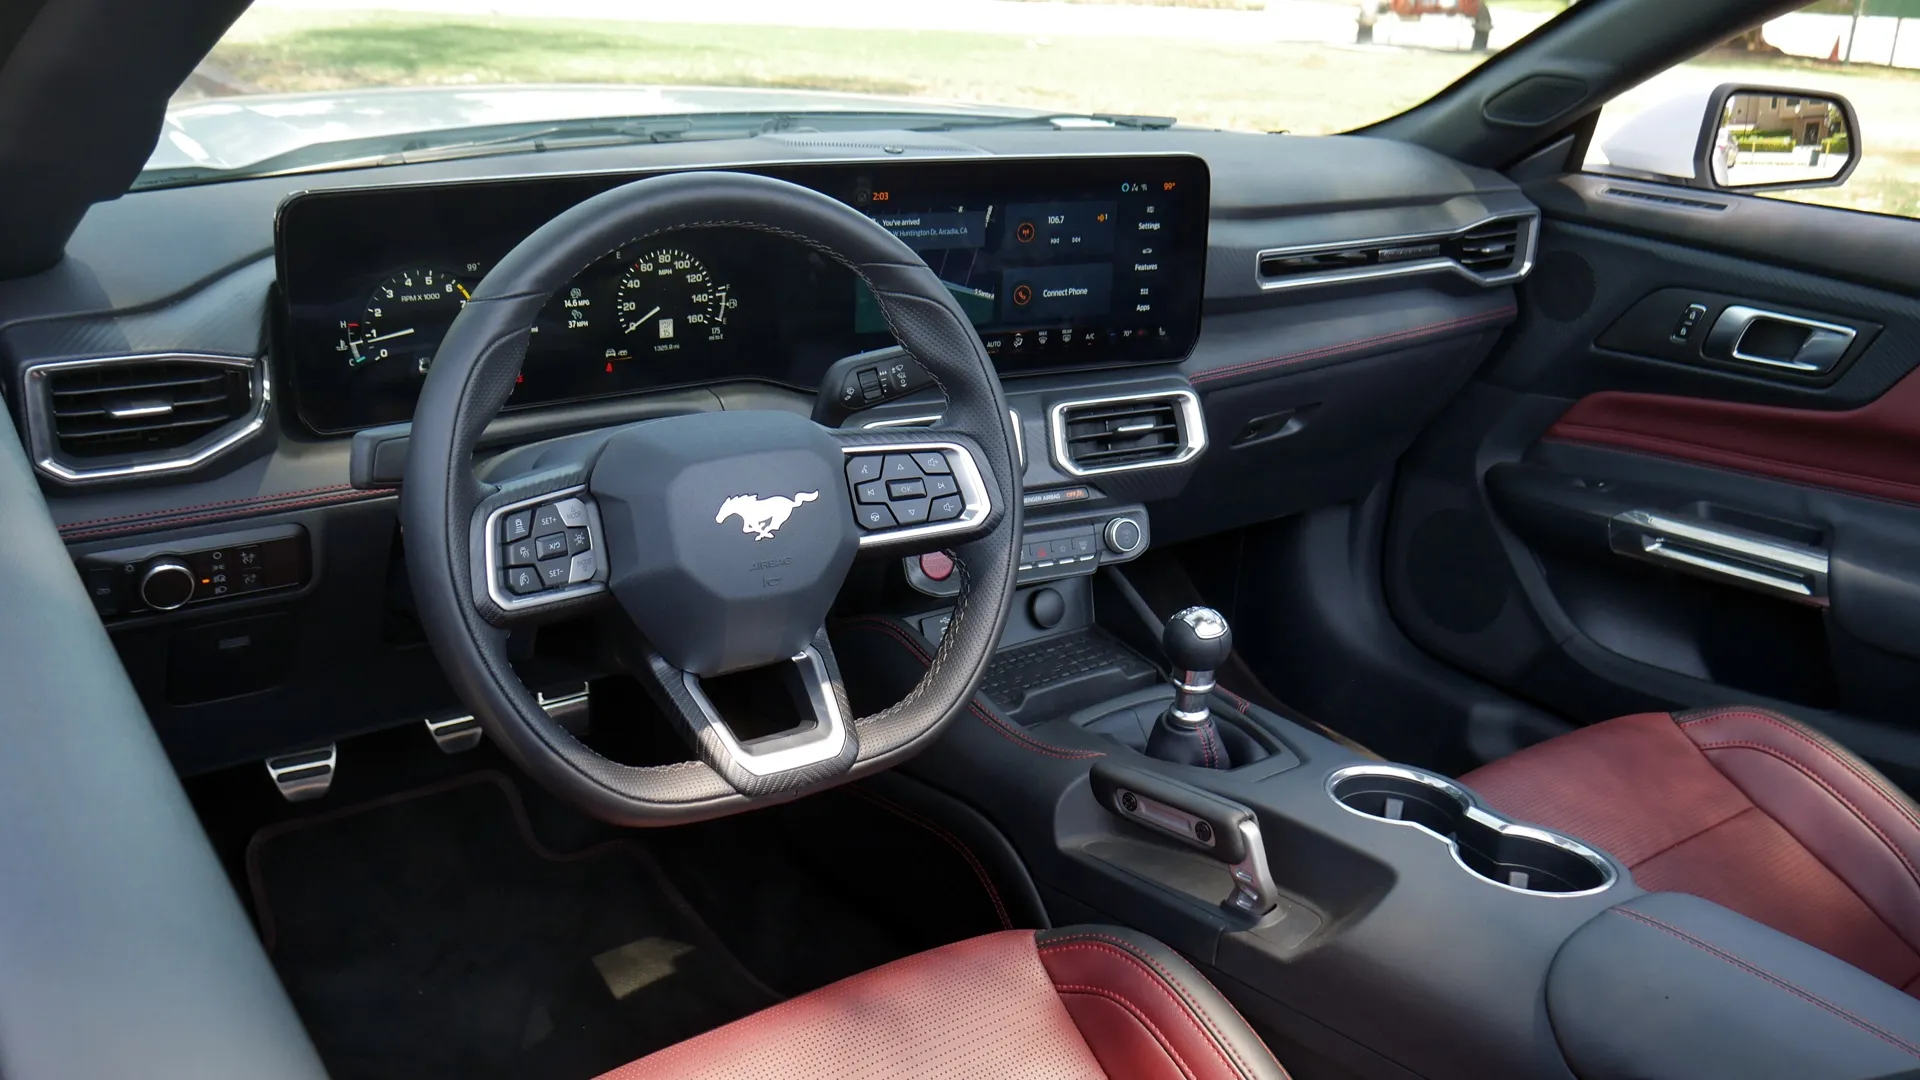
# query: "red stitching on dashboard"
346, 496
1247, 366
79, 525
995, 722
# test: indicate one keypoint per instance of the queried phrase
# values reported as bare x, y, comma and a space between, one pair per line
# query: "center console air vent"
125, 416
1106, 435
1497, 251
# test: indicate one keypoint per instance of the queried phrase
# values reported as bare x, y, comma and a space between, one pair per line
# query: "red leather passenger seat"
1020, 1005
1742, 806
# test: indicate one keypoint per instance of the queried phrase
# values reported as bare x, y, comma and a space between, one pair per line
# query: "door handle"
1772, 339
1709, 549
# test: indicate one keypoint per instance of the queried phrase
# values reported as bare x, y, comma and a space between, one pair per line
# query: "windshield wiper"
1119, 120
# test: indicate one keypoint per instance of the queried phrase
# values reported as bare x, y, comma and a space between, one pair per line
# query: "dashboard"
1061, 264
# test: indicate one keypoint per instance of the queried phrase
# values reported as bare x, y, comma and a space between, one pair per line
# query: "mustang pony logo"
762, 517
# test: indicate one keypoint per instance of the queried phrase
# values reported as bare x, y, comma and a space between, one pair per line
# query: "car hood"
234, 132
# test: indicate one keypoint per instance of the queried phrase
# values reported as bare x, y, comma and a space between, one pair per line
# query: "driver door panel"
1610, 520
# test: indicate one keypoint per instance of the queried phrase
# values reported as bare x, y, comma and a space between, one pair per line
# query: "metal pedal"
304, 774
454, 734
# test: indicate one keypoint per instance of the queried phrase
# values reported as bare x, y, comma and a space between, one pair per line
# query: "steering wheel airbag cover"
474, 372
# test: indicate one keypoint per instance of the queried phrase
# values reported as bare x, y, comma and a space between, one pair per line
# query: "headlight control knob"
166, 584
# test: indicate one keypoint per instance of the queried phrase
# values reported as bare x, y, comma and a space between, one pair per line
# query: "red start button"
937, 565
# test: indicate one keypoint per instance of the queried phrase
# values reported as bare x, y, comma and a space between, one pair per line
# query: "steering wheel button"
941, 485
547, 520
900, 467
546, 547
516, 526
931, 461
522, 580
910, 512
863, 468
555, 571
875, 517
578, 540
582, 567
873, 491
573, 513
521, 553
946, 509
907, 489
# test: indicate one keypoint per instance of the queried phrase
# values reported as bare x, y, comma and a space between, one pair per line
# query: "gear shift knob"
1197, 639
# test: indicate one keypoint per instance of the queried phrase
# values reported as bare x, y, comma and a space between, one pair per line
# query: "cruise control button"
516, 526
910, 512
874, 517
547, 520
573, 513
931, 461
873, 491
900, 467
941, 485
864, 467
521, 553
522, 580
555, 571
546, 547
947, 509
582, 567
578, 540
915, 488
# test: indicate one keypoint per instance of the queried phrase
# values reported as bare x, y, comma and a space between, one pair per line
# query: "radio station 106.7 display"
1058, 264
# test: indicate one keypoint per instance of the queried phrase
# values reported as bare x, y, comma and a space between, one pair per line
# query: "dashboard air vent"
122, 416
1115, 434
1486, 249
1494, 252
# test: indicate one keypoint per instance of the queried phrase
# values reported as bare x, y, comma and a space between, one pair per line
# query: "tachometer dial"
406, 317
666, 299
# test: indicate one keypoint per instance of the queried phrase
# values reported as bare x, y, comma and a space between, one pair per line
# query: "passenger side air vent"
1116, 434
1486, 249
122, 416
1497, 251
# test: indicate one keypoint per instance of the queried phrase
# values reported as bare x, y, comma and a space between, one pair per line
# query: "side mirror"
1741, 138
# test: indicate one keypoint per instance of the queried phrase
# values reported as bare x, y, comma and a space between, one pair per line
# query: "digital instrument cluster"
1059, 263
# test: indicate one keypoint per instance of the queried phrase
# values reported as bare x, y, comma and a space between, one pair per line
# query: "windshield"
299, 85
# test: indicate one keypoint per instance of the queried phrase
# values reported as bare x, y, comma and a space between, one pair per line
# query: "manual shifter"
1197, 641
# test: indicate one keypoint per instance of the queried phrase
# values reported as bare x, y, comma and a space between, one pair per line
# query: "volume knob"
167, 584
1123, 536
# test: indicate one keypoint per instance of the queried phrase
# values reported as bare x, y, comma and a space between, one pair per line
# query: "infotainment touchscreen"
1058, 262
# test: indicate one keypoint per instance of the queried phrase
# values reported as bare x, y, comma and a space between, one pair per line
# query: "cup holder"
1520, 858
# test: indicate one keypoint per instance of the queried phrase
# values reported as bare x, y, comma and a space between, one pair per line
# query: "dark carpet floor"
432, 935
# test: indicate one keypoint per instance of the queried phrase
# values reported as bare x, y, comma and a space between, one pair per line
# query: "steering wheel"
714, 542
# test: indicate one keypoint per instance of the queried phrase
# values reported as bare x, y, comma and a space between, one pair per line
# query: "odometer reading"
666, 299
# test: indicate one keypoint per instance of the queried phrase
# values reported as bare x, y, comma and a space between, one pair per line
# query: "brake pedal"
455, 734
305, 774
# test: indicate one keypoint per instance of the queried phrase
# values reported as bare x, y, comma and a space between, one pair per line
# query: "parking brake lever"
1215, 827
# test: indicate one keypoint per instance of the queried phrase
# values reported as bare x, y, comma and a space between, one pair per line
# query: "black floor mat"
432, 935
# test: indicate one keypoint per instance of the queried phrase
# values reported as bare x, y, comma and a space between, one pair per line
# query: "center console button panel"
1051, 549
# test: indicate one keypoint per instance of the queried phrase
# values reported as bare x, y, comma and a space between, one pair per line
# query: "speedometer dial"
666, 299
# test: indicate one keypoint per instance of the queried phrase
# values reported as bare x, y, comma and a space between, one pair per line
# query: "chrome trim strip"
1254, 891
1739, 320
976, 501
1193, 434
1526, 247
44, 446
505, 600
1781, 566
1019, 435
1471, 807
796, 750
